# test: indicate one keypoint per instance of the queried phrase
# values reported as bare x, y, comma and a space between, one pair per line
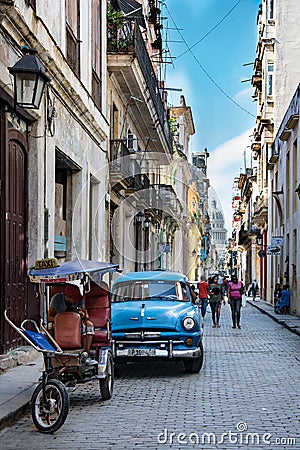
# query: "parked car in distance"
153, 316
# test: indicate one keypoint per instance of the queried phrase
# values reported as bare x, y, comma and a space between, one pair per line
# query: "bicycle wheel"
50, 413
107, 384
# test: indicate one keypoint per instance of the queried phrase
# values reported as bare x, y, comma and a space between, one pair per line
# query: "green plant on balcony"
117, 30
173, 125
115, 19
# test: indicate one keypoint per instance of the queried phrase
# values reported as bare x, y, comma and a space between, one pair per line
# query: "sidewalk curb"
17, 386
276, 318
15, 414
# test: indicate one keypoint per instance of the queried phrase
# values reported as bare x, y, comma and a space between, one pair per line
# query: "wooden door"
13, 236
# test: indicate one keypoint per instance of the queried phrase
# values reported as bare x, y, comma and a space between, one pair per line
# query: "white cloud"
245, 94
224, 163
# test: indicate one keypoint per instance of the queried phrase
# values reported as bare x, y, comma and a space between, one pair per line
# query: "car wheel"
194, 365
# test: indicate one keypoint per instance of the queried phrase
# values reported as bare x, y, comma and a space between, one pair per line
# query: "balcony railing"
170, 201
123, 166
129, 39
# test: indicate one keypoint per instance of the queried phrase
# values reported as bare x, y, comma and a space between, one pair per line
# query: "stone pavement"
286, 320
17, 384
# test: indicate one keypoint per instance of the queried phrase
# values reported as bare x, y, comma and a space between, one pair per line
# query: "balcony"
167, 200
256, 148
128, 60
260, 212
274, 153
124, 170
257, 80
246, 233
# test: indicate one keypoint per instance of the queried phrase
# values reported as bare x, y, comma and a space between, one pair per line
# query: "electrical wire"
189, 49
211, 30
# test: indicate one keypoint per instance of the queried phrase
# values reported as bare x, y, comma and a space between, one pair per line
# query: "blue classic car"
153, 316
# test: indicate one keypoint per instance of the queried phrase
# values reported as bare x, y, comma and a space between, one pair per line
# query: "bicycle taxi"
66, 362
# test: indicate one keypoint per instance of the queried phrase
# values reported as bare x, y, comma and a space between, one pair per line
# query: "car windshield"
149, 290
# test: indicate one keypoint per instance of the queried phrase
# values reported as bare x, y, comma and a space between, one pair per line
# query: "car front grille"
143, 335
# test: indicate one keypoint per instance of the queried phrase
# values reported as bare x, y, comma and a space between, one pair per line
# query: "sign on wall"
277, 240
273, 250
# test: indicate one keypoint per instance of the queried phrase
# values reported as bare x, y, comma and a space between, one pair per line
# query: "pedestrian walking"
235, 292
203, 294
254, 289
225, 285
193, 292
216, 297
277, 295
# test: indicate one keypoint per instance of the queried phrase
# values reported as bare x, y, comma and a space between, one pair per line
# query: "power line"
189, 49
212, 29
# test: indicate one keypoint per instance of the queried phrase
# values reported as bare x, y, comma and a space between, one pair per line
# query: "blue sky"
220, 125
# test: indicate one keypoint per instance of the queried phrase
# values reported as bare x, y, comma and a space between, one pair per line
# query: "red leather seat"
67, 325
97, 303
67, 330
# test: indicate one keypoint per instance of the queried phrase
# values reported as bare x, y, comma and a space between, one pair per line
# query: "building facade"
199, 227
100, 173
284, 210
218, 231
268, 212
53, 159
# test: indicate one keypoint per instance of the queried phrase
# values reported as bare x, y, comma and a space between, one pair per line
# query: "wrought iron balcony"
170, 202
125, 172
129, 59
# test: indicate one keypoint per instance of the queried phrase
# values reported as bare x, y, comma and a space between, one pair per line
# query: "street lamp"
194, 253
29, 80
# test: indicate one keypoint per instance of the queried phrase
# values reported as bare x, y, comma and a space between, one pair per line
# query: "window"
96, 53
60, 229
73, 34
65, 170
149, 290
114, 120
270, 78
271, 10
132, 141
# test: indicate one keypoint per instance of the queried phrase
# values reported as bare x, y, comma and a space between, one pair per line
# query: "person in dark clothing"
277, 295
216, 297
254, 289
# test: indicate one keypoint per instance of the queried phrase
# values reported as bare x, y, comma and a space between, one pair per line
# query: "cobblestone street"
242, 399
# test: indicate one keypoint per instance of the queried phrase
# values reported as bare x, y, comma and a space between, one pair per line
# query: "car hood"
149, 314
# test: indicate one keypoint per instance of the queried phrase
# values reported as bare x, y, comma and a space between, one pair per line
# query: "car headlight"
188, 323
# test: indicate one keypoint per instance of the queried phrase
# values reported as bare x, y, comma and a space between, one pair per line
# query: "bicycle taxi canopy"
50, 271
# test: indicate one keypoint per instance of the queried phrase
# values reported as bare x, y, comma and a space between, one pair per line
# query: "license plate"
141, 352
